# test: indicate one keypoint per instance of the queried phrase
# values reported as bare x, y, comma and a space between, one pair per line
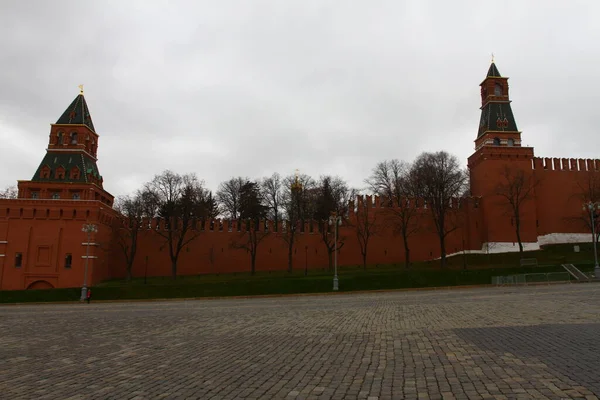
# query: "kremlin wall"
42, 244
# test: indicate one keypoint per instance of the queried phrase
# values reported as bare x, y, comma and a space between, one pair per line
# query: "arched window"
76, 196
498, 90
511, 142
55, 196
59, 138
73, 137
496, 141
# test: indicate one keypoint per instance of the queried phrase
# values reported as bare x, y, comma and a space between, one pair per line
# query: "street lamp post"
89, 229
592, 207
336, 221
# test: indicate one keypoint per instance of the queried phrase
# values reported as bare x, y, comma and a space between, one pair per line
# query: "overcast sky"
250, 87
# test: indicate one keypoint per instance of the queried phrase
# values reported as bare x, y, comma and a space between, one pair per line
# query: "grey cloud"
250, 88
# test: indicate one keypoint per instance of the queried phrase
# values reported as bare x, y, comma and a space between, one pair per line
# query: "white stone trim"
2, 255
511, 247
557, 238
3, 242
91, 244
89, 257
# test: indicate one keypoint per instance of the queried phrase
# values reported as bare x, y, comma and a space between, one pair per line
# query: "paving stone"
491, 343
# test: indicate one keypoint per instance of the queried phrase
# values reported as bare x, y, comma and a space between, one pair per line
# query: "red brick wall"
44, 231
212, 251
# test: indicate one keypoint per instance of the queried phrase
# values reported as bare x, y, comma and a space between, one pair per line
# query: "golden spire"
80, 89
296, 184
492, 58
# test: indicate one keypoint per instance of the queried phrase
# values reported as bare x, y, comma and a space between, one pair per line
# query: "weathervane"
492, 58
80, 89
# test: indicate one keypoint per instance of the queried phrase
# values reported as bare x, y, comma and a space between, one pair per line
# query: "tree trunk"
290, 254
129, 275
517, 225
442, 251
406, 250
174, 267
364, 256
252, 262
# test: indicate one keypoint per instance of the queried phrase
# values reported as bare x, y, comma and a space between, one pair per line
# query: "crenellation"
589, 164
573, 164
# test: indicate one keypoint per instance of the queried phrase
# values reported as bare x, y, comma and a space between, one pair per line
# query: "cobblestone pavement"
494, 343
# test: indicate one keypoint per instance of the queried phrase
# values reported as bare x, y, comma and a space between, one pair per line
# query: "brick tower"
498, 153
68, 171
41, 240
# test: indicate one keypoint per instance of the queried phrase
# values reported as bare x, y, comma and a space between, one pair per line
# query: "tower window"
35, 195
59, 138
55, 196
73, 138
511, 142
60, 173
76, 196
45, 172
18, 260
498, 90
496, 141
75, 173
68, 260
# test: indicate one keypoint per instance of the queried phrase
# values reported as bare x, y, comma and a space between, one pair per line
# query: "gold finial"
492, 58
296, 184
80, 89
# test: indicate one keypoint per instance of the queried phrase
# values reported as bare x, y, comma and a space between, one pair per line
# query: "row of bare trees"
181, 200
435, 178
291, 201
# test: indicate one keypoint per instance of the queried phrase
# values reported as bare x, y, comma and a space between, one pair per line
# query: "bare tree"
181, 200
332, 196
228, 196
10, 192
131, 210
296, 202
367, 226
393, 182
272, 194
517, 188
252, 211
439, 179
